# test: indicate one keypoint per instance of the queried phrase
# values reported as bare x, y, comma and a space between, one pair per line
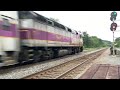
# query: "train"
28, 36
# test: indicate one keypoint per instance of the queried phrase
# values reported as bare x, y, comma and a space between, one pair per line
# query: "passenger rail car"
27, 36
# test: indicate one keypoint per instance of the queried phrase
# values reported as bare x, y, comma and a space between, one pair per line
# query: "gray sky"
96, 23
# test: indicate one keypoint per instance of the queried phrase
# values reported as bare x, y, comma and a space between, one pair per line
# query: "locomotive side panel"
9, 31
1, 39
51, 36
25, 33
58, 37
9, 37
65, 38
40, 35
73, 39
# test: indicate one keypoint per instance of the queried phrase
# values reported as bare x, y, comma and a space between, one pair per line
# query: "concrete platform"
104, 67
102, 71
106, 58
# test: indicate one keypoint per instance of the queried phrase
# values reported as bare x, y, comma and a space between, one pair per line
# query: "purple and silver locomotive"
27, 36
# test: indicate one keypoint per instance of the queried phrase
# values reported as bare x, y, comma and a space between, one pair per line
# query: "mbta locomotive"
27, 36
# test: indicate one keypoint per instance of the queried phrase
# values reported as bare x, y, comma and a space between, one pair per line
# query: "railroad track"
20, 71
67, 70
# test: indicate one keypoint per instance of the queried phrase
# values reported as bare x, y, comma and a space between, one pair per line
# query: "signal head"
113, 26
113, 16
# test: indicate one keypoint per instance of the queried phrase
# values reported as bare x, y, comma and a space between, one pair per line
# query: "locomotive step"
30, 50
31, 54
1, 64
9, 62
8, 58
31, 59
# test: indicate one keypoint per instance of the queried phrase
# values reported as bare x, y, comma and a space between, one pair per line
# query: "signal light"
113, 26
113, 16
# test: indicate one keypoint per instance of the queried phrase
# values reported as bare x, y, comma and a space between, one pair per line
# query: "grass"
92, 49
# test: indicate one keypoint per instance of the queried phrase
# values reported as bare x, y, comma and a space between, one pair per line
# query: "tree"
86, 39
117, 41
93, 41
101, 43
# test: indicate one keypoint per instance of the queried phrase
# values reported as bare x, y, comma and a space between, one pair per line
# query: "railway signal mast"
113, 26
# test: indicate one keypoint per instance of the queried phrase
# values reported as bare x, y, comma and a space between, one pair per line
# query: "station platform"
102, 71
104, 67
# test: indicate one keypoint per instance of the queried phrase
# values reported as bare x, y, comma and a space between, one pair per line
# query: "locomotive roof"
44, 19
47, 19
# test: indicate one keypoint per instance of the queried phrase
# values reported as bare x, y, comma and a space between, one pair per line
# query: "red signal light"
113, 26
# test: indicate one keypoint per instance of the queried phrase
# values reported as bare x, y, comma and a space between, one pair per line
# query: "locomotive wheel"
78, 50
51, 54
73, 51
70, 52
81, 49
36, 56
24, 55
55, 53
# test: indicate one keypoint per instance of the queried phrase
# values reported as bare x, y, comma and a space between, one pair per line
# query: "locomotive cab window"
6, 24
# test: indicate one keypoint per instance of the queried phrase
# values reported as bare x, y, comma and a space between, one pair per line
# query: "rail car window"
62, 27
56, 25
69, 30
6, 24
31, 15
26, 23
25, 15
39, 17
49, 22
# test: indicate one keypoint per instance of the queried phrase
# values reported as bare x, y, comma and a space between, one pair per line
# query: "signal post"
113, 27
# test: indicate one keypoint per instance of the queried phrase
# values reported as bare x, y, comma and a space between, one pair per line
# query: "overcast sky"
96, 23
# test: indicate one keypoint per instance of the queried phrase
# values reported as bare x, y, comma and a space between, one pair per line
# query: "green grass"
92, 49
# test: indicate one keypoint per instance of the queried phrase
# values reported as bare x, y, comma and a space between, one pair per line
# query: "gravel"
22, 71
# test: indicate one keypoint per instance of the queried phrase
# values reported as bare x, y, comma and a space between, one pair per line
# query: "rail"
63, 69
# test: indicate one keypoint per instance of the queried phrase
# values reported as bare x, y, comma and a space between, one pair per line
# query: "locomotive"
28, 36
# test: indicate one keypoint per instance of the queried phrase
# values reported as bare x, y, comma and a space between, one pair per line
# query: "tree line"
94, 42
117, 42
